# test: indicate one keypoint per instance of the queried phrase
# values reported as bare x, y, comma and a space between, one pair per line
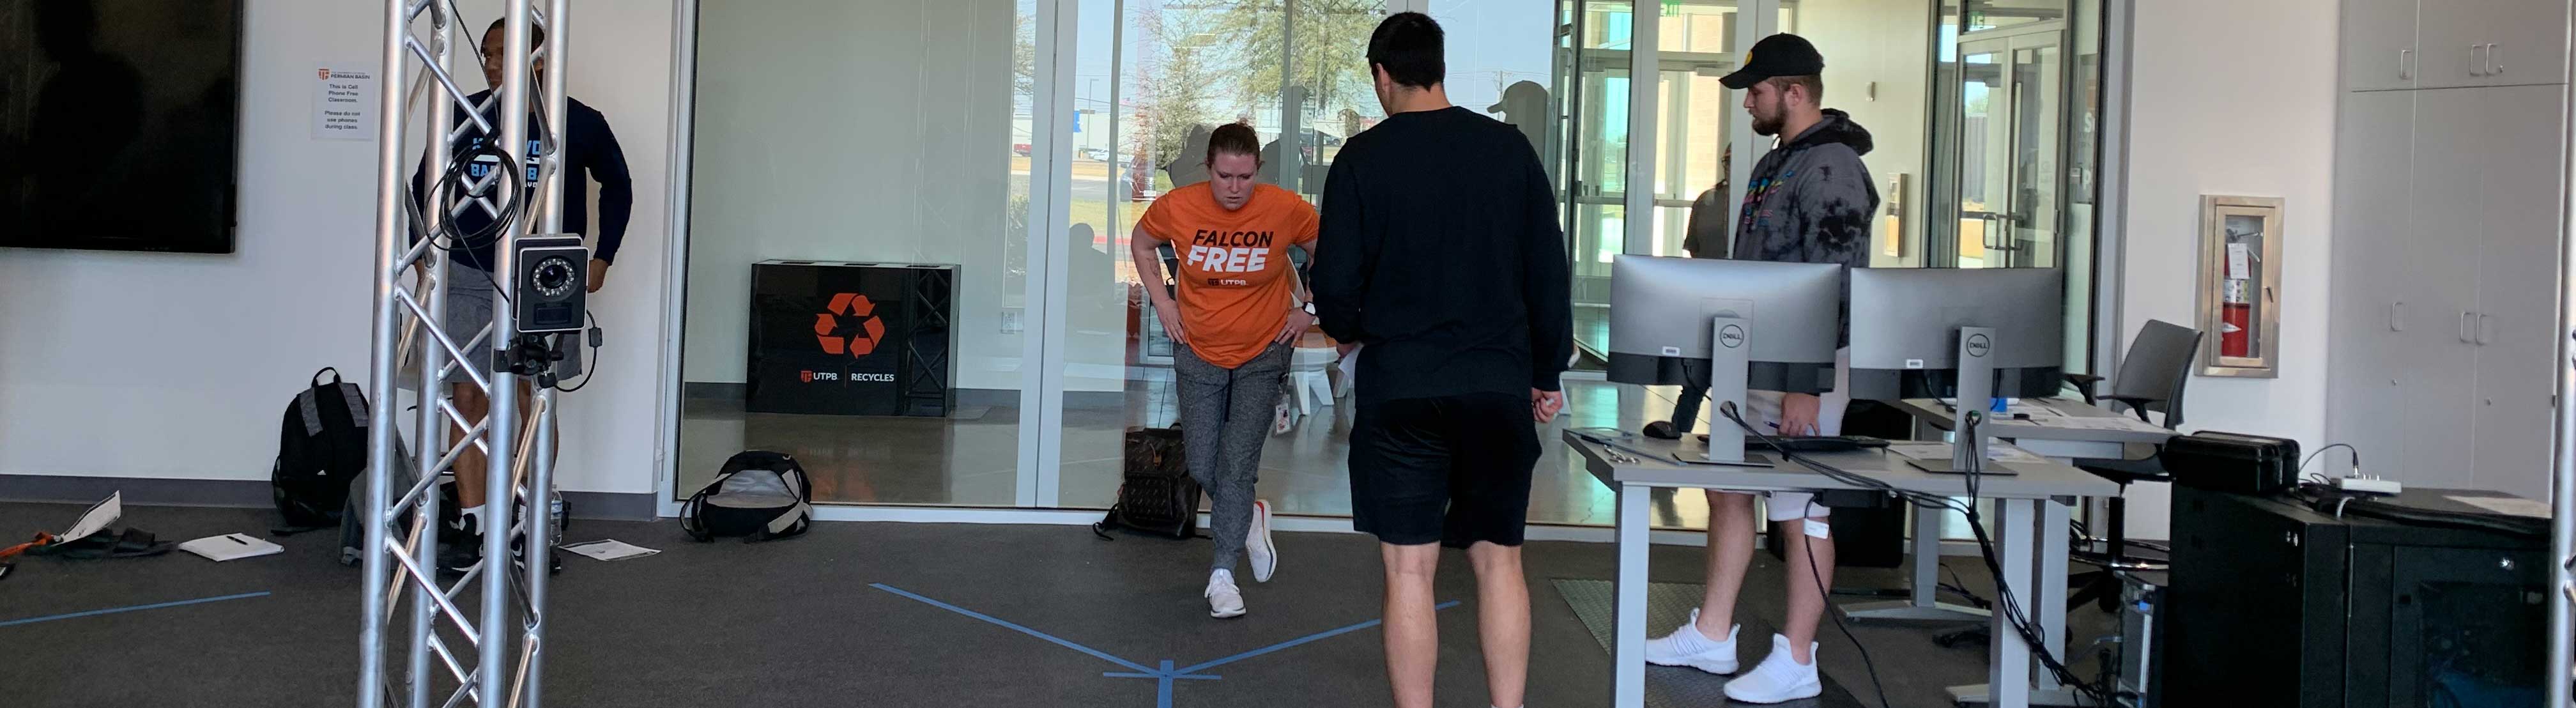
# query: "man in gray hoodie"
1809, 201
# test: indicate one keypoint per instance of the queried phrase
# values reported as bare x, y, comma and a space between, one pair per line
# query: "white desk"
2054, 441
2029, 521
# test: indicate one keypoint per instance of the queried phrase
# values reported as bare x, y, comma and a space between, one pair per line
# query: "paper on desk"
231, 546
2031, 408
2509, 506
1997, 452
610, 550
2101, 423
107, 511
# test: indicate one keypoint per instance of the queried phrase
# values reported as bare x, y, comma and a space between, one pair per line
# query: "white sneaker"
1265, 556
1778, 678
1688, 647
1224, 601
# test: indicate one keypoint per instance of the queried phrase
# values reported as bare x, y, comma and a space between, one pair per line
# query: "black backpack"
1156, 494
321, 448
760, 495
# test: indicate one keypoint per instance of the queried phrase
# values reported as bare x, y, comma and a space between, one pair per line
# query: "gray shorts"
471, 303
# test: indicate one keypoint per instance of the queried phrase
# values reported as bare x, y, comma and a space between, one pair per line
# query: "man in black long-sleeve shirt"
588, 147
1443, 259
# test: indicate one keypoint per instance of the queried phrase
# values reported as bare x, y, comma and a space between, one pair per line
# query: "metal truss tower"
477, 639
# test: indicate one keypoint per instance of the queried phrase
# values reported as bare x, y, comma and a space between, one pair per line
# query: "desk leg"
2050, 598
2047, 573
1628, 660
1924, 604
2008, 664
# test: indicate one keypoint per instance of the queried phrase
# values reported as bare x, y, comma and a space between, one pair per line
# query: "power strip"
2368, 485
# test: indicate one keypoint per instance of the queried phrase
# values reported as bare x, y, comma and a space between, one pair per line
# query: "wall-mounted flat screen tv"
118, 123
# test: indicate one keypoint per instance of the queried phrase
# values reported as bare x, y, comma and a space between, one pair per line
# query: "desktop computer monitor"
1912, 329
1757, 325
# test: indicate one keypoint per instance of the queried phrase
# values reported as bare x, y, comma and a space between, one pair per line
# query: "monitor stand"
1975, 396
1730, 360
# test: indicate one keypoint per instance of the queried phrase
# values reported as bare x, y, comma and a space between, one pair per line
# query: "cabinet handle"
2495, 61
2393, 324
2405, 64
2477, 66
2466, 318
2485, 330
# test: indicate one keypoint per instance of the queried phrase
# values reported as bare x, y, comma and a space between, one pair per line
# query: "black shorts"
1451, 469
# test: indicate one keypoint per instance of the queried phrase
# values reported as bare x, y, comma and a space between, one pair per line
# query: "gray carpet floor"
845, 616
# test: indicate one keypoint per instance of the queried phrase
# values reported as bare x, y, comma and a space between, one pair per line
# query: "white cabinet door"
2452, 36
2531, 44
2370, 315
2379, 45
2439, 378
2517, 285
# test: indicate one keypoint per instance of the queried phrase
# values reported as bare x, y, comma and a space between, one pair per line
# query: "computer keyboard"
1812, 443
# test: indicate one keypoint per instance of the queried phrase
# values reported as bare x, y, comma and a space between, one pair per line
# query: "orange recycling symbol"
859, 337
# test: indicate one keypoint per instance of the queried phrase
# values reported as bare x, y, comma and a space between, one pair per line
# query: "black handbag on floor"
759, 495
1156, 494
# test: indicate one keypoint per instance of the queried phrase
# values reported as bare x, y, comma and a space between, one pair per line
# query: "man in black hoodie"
1809, 201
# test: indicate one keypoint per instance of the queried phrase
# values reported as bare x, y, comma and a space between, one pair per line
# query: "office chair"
2151, 378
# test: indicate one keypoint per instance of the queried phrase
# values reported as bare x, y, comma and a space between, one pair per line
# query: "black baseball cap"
1775, 56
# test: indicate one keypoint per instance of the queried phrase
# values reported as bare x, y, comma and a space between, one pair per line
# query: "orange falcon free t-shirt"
1235, 285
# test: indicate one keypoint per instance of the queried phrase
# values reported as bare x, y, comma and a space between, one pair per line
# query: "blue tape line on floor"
1104, 656
114, 610
1163, 677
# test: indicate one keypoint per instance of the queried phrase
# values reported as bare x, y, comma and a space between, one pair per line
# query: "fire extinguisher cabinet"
840, 338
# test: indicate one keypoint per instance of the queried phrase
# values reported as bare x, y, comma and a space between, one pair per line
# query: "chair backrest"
2158, 364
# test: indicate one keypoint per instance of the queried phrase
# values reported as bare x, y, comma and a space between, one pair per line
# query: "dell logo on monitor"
1731, 336
1979, 345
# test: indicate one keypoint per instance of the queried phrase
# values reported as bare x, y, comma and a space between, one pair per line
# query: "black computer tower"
2274, 604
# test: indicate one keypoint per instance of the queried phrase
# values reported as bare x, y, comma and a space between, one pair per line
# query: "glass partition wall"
844, 148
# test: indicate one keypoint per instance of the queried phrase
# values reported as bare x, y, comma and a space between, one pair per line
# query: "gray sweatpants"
1225, 415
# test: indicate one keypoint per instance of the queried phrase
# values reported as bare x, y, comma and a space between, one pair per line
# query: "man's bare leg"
1412, 633
1811, 568
1502, 620
1730, 552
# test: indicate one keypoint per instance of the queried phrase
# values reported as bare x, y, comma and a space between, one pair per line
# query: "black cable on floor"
1847, 634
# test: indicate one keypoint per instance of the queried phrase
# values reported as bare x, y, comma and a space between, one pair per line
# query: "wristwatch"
1310, 307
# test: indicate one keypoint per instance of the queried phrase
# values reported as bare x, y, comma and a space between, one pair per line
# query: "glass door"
2007, 131
1595, 40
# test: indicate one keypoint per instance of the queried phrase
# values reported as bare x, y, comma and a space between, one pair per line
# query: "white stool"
1308, 380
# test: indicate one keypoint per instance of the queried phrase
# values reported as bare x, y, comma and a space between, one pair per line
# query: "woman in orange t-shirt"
1237, 313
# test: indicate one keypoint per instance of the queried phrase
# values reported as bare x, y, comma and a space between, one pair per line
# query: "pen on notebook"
236, 538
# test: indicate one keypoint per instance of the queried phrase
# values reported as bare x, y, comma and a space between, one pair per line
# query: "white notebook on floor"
231, 546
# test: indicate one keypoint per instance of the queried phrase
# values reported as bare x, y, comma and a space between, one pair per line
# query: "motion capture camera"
551, 290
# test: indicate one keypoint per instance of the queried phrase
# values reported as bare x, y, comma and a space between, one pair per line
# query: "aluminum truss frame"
502, 630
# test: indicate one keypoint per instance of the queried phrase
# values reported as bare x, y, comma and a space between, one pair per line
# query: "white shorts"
1765, 406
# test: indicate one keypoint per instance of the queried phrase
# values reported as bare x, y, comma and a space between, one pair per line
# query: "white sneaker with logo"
1224, 600
1779, 678
1688, 647
1264, 555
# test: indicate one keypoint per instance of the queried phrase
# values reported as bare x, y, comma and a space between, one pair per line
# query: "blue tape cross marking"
1006, 624
1165, 675
114, 610
1327, 634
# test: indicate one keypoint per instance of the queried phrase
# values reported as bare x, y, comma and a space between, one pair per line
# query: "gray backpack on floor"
759, 495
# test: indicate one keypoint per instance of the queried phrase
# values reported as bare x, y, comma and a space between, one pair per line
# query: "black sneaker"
1662, 430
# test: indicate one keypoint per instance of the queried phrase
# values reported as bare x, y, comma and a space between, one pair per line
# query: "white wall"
179, 366
855, 131
2258, 120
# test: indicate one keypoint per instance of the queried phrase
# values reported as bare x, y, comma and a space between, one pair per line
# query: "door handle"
2495, 61
2467, 319
2405, 64
2477, 65
2485, 330
2393, 324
